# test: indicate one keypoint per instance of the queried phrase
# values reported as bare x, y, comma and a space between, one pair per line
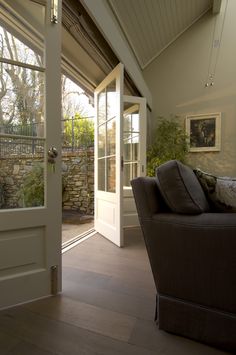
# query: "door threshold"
77, 240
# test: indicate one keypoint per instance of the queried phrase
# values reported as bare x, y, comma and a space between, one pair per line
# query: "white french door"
30, 167
119, 155
108, 156
134, 152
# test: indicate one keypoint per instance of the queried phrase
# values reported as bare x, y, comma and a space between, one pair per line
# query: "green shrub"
170, 143
31, 193
79, 131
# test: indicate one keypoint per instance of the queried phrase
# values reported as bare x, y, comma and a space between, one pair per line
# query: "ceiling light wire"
216, 43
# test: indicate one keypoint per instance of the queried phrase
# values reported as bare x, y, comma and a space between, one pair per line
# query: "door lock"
52, 154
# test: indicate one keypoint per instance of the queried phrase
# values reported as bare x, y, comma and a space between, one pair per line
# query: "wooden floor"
106, 308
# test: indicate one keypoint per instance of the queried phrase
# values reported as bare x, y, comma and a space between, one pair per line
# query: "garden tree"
72, 99
77, 126
79, 132
22, 94
21, 89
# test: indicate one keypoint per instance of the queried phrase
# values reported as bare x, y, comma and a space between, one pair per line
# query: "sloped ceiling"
151, 25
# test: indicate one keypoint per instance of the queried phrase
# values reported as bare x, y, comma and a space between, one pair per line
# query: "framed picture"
204, 132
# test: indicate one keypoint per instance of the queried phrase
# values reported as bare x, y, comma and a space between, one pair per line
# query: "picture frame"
204, 132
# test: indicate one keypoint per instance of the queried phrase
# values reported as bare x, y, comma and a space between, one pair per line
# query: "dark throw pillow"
181, 189
221, 191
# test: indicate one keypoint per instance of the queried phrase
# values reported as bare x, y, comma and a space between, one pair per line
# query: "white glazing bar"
23, 65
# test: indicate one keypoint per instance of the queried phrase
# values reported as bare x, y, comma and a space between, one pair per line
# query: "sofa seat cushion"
220, 191
181, 189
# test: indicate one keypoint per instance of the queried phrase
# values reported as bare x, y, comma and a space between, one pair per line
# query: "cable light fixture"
215, 46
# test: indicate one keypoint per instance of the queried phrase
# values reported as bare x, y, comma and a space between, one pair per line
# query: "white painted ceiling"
152, 25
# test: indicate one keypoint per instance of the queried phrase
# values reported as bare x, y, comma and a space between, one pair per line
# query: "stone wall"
77, 174
78, 181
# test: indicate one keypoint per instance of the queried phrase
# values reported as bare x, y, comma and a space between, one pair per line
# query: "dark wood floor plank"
99, 246
132, 305
85, 277
110, 265
147, 335
25, 348
100, 320
133, 287
7, 343
106, 308
61, 338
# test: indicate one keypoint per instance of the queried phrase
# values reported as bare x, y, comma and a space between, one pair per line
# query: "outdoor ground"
74, 224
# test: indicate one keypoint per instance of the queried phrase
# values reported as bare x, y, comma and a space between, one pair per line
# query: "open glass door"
108, 153
134, 148
120, 155
30, 138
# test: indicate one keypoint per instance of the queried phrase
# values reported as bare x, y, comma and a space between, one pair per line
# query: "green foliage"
170, 143
31, 192
79, 132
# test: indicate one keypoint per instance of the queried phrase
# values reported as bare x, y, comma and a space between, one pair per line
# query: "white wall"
177, 78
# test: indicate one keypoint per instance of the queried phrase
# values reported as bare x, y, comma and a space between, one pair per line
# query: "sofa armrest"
147, 197
194, 257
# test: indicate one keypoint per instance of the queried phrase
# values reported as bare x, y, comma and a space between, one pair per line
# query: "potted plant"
170, 143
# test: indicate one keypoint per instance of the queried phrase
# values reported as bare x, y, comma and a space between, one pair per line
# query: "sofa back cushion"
220, 191
181, 189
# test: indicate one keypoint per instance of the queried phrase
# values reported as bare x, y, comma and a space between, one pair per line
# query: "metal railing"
20, 146
32, 129
77, 134
27, 139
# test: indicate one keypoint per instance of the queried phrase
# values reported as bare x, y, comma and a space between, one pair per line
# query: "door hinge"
54, 11
54, 279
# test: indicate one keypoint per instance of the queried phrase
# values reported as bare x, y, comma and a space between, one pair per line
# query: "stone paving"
70, 231
74, 224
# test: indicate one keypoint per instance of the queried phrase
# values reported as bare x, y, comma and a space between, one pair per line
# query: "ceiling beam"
216, 6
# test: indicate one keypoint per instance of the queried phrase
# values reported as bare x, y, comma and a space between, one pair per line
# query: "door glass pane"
111, 137
127, 123
111, 174
101, 174
127, 149
101, 140
135, 122
111, 100
22, 120
131, 142
134, 170
22, 101
127, 174
130, 172
14, 49
135, 147
101, 107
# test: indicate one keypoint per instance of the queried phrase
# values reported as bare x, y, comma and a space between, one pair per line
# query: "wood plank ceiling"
152, 25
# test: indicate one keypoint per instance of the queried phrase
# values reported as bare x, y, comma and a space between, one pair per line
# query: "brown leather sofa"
193, 260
